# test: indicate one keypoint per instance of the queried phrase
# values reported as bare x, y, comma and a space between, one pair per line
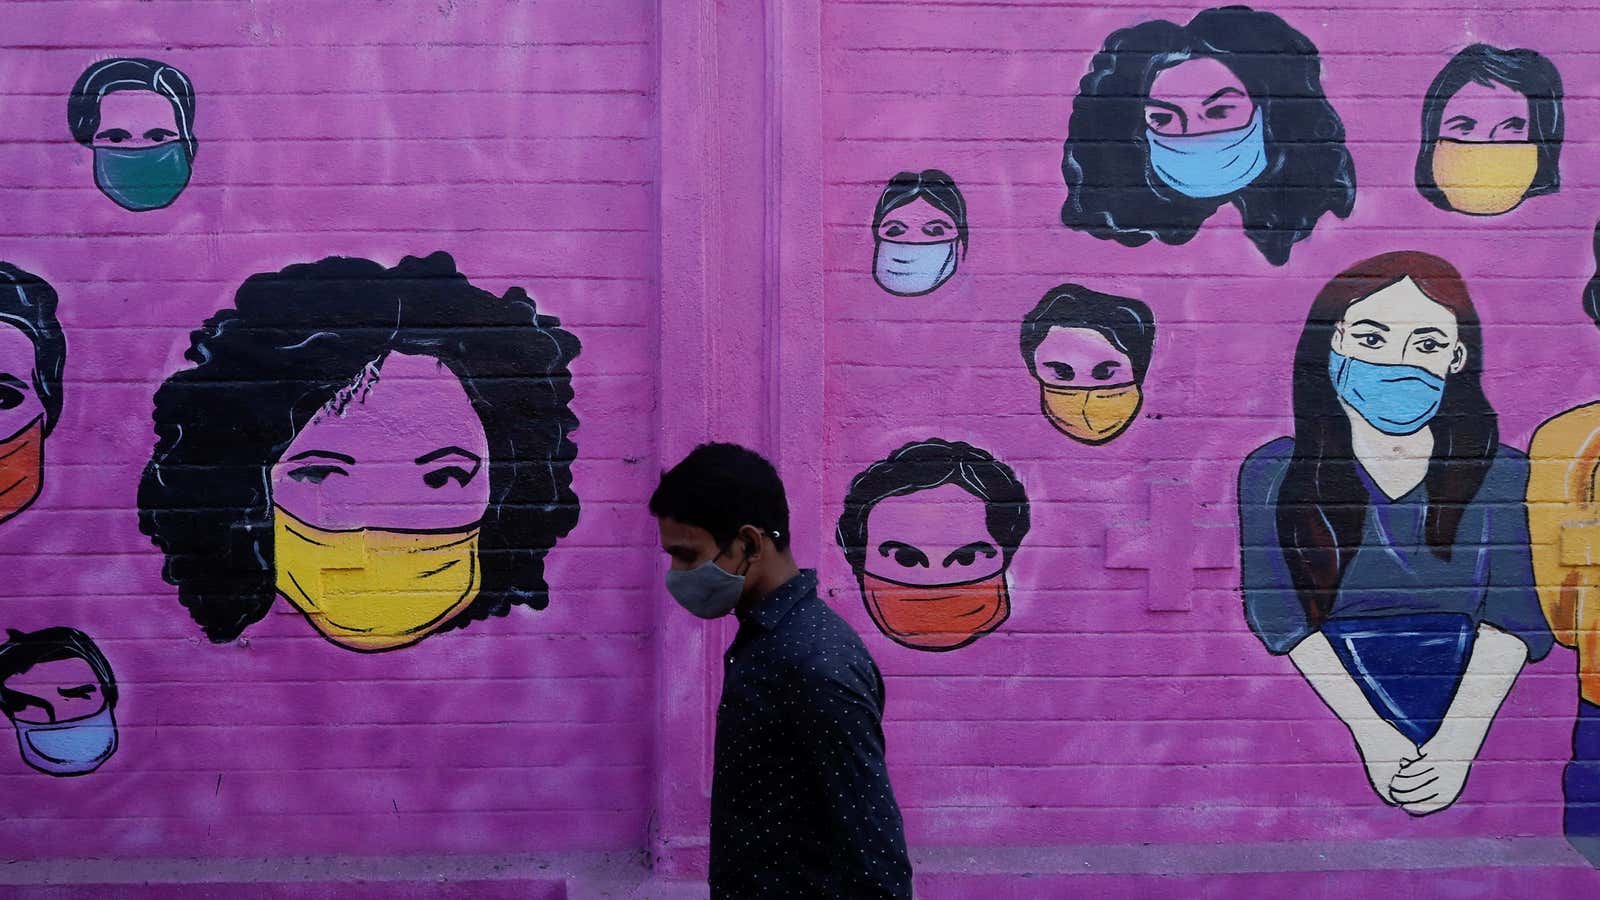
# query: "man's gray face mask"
707, 590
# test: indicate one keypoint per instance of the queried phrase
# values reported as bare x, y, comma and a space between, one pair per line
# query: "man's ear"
750, 537
1458, 360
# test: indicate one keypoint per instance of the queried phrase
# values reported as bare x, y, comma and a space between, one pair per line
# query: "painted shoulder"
1561, 436
1271, 457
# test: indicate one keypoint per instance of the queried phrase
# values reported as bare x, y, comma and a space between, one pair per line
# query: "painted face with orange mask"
23, 417
932, 562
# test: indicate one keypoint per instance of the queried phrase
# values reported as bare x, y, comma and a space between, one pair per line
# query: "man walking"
801, 804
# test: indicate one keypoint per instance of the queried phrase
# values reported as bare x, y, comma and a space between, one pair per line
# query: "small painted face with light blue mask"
1204, 131
66, 725
1391, 355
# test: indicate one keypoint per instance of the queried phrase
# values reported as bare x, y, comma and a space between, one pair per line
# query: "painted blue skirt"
1408, 666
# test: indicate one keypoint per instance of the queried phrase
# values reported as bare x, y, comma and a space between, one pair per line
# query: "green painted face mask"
143, 178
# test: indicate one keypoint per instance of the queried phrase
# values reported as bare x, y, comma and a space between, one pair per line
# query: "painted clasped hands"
1419, 780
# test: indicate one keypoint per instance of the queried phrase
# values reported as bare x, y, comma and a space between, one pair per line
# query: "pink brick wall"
689, 186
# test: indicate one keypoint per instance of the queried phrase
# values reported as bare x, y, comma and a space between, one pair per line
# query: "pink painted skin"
1080, 357
918, 222
133, 119
19, 405
1485, 113
408, 453
68, 685
1197, 96
932, 537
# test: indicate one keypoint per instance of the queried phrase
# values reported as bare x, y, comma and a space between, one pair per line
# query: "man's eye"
1105, 370
10, 397
439, 477
1060, 370
315, 474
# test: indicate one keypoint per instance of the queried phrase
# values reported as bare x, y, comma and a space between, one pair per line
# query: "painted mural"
930, 533
1491, 131
33, 354
1174, 121
57, 689
1089, 353
137, 116
388, 449
919, 233
1385, 544
1564, 523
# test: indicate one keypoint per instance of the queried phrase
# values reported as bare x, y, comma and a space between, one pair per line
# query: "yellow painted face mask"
371, 589
1484, 179
1091, 415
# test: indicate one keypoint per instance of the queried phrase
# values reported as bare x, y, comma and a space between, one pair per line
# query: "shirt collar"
774, 607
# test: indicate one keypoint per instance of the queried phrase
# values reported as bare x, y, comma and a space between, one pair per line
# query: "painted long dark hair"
1322, 505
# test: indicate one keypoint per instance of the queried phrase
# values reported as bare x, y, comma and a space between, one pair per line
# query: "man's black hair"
24, 650
722, 488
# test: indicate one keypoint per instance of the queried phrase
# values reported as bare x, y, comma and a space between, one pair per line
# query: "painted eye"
1429, 345
1159, 120
934, 229
966, 556
10, 397
1370, 340
1061, 371
438, 478
114, 135
315, 474
1218, 112
1105, 370
904, 555
159, 135
893, 229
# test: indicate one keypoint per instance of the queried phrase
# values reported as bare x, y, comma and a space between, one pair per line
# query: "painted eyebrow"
1220, 94
1428, 329
323, 454
1378, 325
442, 452
78, 692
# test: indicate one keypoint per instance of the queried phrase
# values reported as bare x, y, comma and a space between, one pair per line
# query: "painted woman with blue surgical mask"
919, 233
1172, 122
1385, 545
57, 689
137, 115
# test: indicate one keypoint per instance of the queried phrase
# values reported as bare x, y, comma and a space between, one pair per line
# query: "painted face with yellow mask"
1491, 131
1088, 352
377, 504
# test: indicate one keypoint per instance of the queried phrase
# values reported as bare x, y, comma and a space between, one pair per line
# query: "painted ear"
1458, 360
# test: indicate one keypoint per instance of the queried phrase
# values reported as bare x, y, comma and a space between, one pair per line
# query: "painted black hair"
28, 303
923, 466
24, 650
723, 487
1591, 291
1126, 323
130, 74
931, 185
1112, 191
1525, 71
264, 368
